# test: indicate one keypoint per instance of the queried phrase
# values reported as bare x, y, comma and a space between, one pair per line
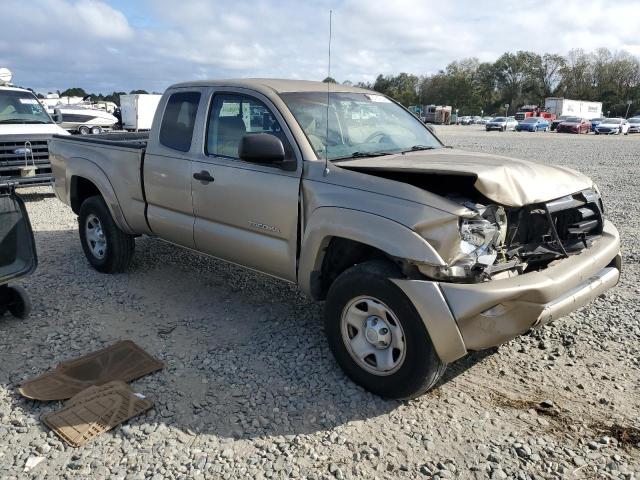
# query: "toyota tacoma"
420, 252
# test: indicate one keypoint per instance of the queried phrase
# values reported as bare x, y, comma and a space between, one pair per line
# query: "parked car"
613, 126
558, 121
574, 125
501, 123
421, 253
476, 119
595, 122
533, 124
466, 120
634, 125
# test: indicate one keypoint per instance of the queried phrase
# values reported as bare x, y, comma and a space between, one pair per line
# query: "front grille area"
541, 233
577, 219
13, 161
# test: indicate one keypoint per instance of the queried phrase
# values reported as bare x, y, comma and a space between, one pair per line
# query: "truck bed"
98, 159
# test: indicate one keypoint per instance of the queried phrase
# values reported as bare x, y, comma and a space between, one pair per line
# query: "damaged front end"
496, 242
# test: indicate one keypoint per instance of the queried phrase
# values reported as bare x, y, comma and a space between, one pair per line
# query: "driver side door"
245, 212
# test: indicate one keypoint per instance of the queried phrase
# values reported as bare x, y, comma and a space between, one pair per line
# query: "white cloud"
101, 47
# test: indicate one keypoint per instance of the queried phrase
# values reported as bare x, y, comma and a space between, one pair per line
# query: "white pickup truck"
421, 252
25, 128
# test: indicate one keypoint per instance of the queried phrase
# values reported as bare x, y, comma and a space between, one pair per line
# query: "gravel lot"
250, 389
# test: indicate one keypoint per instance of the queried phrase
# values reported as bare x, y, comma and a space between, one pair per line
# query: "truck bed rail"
137, 140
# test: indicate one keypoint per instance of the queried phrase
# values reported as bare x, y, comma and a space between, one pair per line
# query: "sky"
120, 45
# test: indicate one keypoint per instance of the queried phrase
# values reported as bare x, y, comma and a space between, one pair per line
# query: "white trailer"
138, 110
574, 108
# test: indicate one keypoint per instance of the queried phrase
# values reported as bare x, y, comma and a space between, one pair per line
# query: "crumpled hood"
507, 181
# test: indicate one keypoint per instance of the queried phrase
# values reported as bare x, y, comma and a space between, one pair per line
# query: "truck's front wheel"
108, 249
376, 334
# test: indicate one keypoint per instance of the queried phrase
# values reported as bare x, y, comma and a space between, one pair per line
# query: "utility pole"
629, 102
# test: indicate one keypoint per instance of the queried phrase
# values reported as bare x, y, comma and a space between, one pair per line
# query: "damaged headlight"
477, 237
481, 240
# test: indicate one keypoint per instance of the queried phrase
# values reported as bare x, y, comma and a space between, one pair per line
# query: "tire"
19, 302
108, 249
415, 368
96, 130
84, 130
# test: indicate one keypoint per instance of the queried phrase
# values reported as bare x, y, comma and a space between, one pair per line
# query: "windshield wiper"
417, 148
363, 155
21, 121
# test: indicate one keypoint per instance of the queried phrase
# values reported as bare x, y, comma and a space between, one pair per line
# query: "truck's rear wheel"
84, 130
108, 249
376, 334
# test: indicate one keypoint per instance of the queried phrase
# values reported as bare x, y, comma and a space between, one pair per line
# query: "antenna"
326, 138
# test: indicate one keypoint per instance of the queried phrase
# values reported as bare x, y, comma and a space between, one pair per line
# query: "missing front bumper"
461, 317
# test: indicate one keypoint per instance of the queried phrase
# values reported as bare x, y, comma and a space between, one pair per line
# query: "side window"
233, 116
178, 121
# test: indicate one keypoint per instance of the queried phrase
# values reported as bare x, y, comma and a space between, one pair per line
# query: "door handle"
203, 176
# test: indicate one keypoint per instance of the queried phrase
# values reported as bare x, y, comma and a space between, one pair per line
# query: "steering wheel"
376, 134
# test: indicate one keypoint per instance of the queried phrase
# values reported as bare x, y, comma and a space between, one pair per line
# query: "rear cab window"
178, 121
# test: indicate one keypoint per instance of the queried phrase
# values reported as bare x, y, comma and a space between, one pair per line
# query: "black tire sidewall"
421, 367
20, 303
110, 263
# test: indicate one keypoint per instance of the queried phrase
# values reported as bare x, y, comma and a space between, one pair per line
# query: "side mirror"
57, 115
264, 148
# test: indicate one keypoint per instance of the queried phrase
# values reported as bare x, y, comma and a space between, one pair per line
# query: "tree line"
522, 78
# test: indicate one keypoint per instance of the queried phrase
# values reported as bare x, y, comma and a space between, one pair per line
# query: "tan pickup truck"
421, 252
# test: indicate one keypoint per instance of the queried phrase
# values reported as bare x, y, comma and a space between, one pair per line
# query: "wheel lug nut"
384, 331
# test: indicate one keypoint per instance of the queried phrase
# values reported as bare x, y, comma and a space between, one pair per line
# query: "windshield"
573, 119
499, 119
531, 120
21, 107
612, 120
634, 120
359, 124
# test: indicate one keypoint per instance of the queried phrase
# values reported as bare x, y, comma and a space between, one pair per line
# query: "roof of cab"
273, 85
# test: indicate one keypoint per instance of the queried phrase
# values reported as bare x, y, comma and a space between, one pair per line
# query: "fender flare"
385, 234
78, 167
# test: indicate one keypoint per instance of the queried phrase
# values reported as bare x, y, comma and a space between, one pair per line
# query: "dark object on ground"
124, 360
17, 251
94, 411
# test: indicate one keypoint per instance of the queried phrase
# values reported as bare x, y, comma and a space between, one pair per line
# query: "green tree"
403, 88
73, 92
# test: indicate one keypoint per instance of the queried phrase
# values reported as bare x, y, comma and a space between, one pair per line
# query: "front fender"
78, 167
382, 233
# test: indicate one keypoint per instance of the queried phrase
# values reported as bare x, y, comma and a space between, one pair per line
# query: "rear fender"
82, 168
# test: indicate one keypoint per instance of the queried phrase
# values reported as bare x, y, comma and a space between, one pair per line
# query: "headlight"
477, 236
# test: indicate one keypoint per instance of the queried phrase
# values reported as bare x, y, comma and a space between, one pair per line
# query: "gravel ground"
250, 389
